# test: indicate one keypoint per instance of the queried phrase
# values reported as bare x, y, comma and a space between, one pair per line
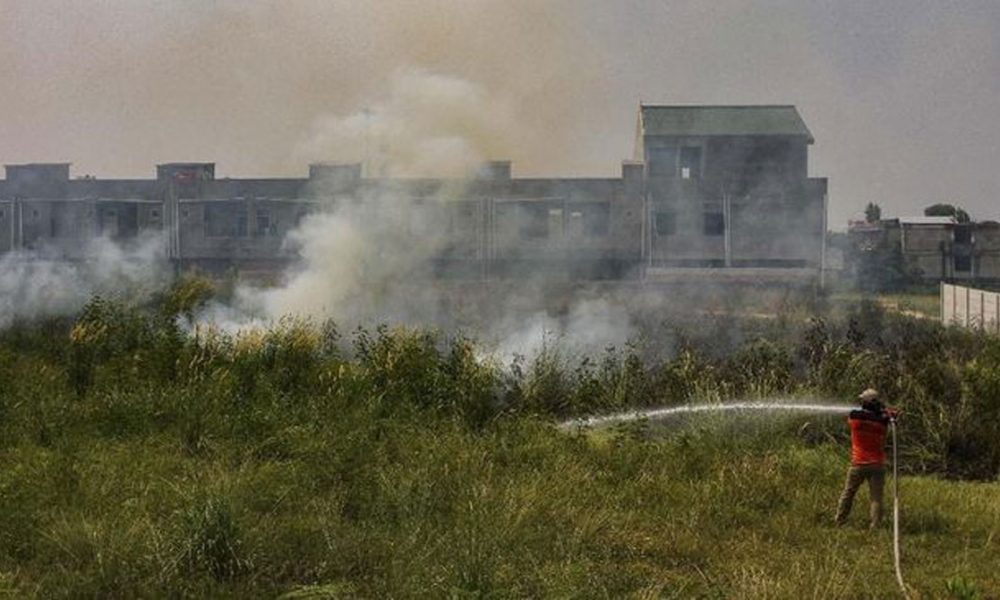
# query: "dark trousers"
856, 475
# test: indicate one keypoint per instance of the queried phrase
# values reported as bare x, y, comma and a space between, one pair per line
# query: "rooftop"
927, 220
723, 120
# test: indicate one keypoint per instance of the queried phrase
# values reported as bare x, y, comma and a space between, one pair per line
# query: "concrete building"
718, 192
728, 188
935, 248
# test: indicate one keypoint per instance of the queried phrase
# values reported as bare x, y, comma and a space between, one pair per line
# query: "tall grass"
138, 460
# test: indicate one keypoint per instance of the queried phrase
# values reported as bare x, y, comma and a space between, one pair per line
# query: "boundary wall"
970, 308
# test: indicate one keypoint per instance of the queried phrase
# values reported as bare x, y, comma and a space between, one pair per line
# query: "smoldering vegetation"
141, 456
40, 284
944, 379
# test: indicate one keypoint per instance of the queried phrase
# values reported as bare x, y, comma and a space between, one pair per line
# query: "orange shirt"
867, 437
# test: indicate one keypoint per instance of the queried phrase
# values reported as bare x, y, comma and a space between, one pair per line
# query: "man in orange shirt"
868, 429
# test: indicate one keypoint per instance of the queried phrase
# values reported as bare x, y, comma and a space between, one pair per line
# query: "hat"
868, 395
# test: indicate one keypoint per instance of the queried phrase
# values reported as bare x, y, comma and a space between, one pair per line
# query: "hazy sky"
902, 96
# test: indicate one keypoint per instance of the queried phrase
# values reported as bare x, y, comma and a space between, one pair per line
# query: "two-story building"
728, 187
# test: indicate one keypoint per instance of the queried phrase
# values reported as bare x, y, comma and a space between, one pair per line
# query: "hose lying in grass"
895, 512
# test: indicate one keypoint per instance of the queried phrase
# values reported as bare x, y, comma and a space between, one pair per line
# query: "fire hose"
895, 511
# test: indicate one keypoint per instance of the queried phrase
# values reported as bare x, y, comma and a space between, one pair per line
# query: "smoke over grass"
38, 284
371, 256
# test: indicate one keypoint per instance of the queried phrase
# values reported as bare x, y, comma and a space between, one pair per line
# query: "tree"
880, 268
873, 213
947, 210
939, 210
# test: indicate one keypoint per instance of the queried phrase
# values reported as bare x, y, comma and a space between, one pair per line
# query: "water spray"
666, 412
653, 414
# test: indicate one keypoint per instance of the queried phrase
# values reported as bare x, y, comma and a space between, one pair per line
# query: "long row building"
932, 249
719, 192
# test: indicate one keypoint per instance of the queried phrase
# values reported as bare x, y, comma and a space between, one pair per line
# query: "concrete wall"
491, 226
746, 203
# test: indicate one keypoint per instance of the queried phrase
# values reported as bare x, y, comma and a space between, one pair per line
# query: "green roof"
722, 120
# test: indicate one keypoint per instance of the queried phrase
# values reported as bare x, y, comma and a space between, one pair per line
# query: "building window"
263, 222
226, 219
155, 213
597, 220
575, 225
691, 162
663, 161
556, 221
963, 235
461, 219
534, 222
715, 224
963, 264
666, 223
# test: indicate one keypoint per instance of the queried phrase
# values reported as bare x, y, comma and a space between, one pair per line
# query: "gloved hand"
892, 413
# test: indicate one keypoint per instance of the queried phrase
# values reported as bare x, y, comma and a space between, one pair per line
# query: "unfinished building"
933, 248
712, 191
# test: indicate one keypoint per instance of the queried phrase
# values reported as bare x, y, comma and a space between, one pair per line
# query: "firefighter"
868, 430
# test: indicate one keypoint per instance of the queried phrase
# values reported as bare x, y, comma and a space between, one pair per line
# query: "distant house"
728, 187
935, 248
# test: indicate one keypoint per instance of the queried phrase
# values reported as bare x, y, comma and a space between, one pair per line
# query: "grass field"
917, 303
338, 505
137, 461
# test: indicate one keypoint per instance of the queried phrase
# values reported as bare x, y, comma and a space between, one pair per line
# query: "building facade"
717, 192
934, 248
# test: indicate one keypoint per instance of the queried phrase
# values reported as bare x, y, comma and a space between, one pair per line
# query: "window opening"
963, 264
715, 224
666, 223
534, 222
226, 219
691, 162
663, 161
597, 220
963, 235
263, 222
555, 221
575, 226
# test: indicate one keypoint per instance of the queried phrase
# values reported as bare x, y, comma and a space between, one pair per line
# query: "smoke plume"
36, 284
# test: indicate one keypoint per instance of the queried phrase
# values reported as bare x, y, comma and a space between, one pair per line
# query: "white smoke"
359, 262
370, 258
428, 124
35, 285
590, 326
